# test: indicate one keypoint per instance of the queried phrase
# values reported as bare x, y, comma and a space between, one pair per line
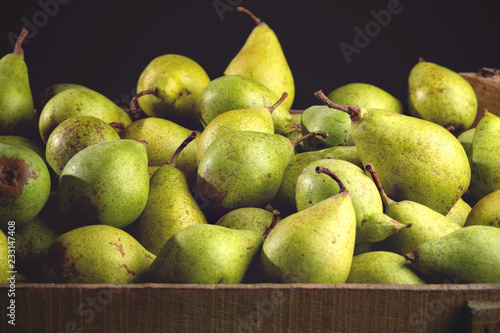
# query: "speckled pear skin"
255, 119
485, 157
440, 95
372, 225
96, 254
465, 138
367, 96
382, 267
106, 183
415, 159
55, 89
486, 211
169, 209
321, 118
73, 135
242, 169
459, 212
25, 142
262, 58
163, 137
233, 92
16, 102
24, 184
247, 218
468, 255
312, 246
79, 102
206, 253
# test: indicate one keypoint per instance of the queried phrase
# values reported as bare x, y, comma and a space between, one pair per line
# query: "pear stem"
320, 169
451, 128
249, 13
193, 135
307, 136
278, 103
133, 103
354, 111
421, 59
276, 214
412, 256
144, 143
117, 125
371, 169
18, 48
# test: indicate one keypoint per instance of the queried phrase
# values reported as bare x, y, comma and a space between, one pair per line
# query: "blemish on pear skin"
250, 247
119, 247
14, 175
128, 270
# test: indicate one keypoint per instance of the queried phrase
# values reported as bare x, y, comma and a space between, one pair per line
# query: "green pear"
206, 253
372, 225
235, 92
33, 241
367, 96
249, 218
25, 142
459, 212
55, 89
382, 267
262, 58
314, 245
96, 254
486, 211
73, 135
178, 82
426, 224
360, 248
242, 169
440, 95
106, 183
485, 157
253, 119
170, 206
345, 153
426, 164
465, 138
16, 102
24, 184
322, 118
468, 255
163, 137
79, 102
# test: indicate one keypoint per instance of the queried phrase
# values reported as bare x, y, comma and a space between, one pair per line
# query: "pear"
440, 95
249, 218
178, 82
262, 58
321, 118
79, 102
73, 135
25, 142
367, 96
426, 224
16, 102
55, 89
426, 164
465, 138
459, 212
486, 211
170, 206
206, 253
96, 254
382, 267
24, 184
485, 157
105, 183
468, 255
314, 245
253, 119
163, 137
345, 153
4, 259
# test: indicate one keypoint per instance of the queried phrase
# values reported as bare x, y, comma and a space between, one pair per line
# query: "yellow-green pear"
486, 211
459, 212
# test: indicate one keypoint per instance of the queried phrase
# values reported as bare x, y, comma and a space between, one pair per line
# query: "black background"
105, 45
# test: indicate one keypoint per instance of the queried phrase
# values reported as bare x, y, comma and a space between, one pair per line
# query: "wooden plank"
243, 308
484, 316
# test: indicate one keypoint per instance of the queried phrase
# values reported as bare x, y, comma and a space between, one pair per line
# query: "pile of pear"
220, 181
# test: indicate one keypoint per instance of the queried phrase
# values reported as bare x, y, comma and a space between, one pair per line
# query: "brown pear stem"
371, 169
18, 48
150, 91
278, 102
193, 135
354, 111
249, 13
276, 215
412, 256
320, 169
421, 59
450, 128
117, 125
307, 136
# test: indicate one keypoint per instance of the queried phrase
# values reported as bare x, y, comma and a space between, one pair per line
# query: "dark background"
105, 45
